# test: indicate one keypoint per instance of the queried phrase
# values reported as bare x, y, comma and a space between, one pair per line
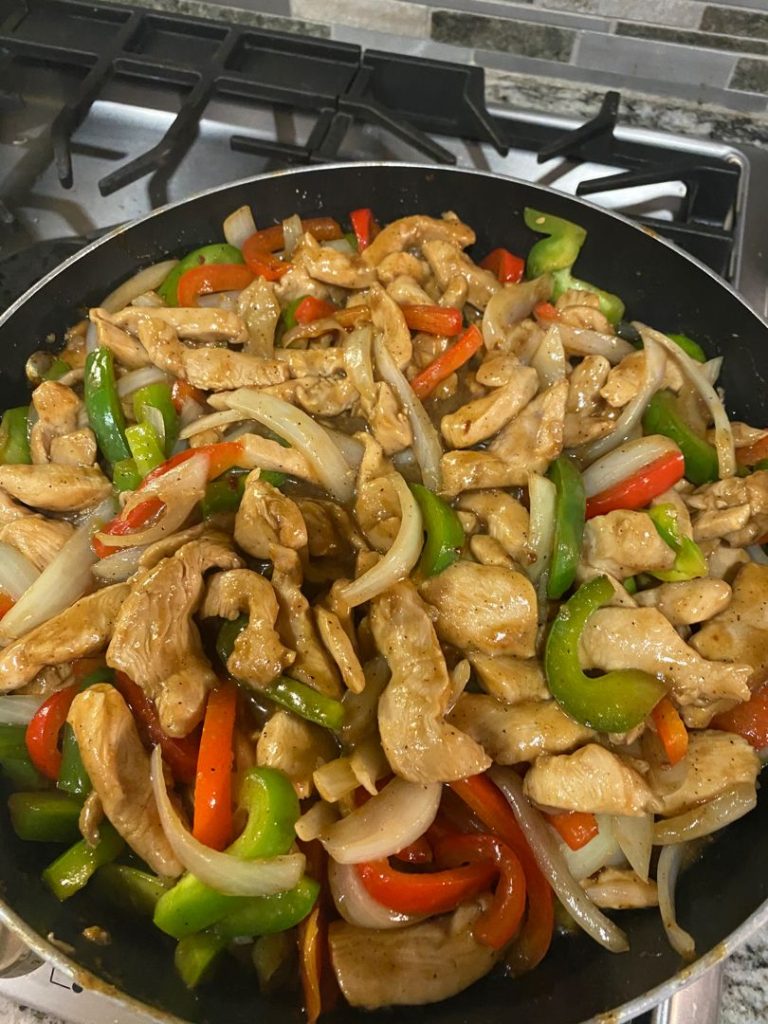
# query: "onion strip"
546, 850
119, 567
221, 871
624, 461
710, 817
357, 906
19, 709
358, 363
145, 281
17, 573
212, 421
135, 379
397, 563
542, 494
635, 837
582, 341
238, 226
666, 877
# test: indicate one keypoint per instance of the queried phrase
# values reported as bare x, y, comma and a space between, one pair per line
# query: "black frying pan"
724, 893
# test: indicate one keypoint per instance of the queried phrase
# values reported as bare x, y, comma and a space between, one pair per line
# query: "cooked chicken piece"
407, 291
456, 293
423, 963
262, 453
426, 348
258, 656
511, 680
527, 444
259, 309
11, 511
296, 283
295, 747
55, 488
579, 429
313, 362
723, 561
79, 630
212, 369
642, 638
155, 640
497, 369
118, 766
582, 309
687, 602
402, 264
715, 762
127, 350
319, 396
488, 551
388, 318
739, 633
325, 264
412, 233
90, 817
592, 780
296, 626
75, 449
420, 745
57, 408
478, 420
340, 648
265, 517
735, 509
620, 889
626, 379
584, 385
167, 546
448, 262
377, 506
201, 323
514, 733
507, 326
388, 422
331, 531
621, 544
505, 519
36, 537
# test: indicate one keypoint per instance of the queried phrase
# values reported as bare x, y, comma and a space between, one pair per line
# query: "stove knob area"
16, 959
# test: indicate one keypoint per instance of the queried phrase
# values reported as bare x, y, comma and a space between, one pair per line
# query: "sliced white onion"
145, 281
357, 906
17, 573
118, 567
293, 233
221, 871
710, 817
219, 300
666, 878
190, 411
624, 461
212, 421
655, 361
335, 779
358, 362
549, 358
635, 837
18, 709
307, 436
62, 582
546, 850
393, 819
426, 440
600, 852
154, 418
726, 455
509, 305
238, 226
141, 378
584, 342
397, 563
711, 369
91, 338
315, 821
542, 495
349, 446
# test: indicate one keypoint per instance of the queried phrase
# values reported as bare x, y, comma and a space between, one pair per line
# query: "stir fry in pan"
364, 599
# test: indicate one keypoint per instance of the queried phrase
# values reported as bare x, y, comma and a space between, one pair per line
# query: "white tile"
680, 13
648, 59
394, 16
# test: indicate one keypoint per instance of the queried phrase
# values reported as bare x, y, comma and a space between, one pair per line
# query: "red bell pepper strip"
263, 264
531, 946
417, 852
179, 754
212, 821
434, 892
638, 490
754, 453
127, 522
576, 828
498, 925
434, 319
546, 311
6, 603
221, 457
211, 277
362, 225
507, 267
311, 309
749, 720
448, 362
182, 391
42, 735
324, 229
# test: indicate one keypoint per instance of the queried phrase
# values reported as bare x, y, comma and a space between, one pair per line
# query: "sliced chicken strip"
388, 421
388, 318
263, 453
313, 362
482, 418
258, 656
118, 767
505, 519
420, 745
82, 629
621, 544
515, 733
377, 505
511, 680
127, 350
325, 264
739, 633
76, 449
259, 309
319, 396
412, 232
340, 648
408, 291
626, 379
735, 509
38, 538
57, 408
331, 531
715, 762
265, 517
448, 262
201, 323
592, 780
687, 602
620, 889
55, 488
295, 747
402, 264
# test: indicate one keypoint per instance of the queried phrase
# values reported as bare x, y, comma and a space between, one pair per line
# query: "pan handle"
697, 1003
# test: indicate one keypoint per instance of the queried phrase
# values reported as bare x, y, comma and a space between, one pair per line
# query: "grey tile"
708, 40
751, 75
735, 23
662, 61
683, 13
259, 7
505, 34
406, 19
402, 44
236, 14
568, 17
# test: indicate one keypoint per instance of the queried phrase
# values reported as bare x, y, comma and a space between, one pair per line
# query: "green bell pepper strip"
220, 252
13, 743
158, 396
559, 250
57, 369
14, 437
305, 702
223, 494
570, 515
196, 956
268, 797
48, 817
630, 584
73, 777
662, 416
614, 702
228, 634
129, 889
689, 346
145, 447
22, 774
125, 475
690, 562
289, 313
105, 414
611, 306
70, 872
445, 535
